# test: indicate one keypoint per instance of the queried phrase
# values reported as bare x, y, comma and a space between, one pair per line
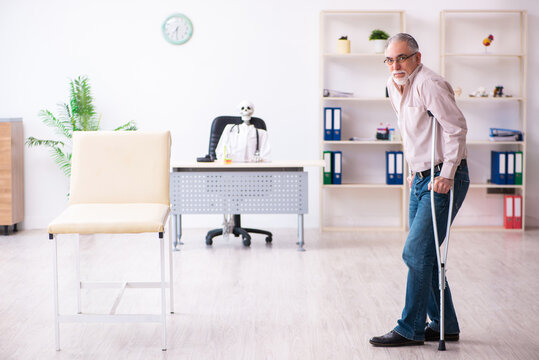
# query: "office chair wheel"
268, 240
209, 241
246, 241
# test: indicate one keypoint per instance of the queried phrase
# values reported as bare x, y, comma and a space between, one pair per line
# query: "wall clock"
177, 29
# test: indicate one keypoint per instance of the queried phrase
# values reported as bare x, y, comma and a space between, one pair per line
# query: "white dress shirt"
240, 142
426, 90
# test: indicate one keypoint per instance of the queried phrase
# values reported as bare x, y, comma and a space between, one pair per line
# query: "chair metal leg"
163, 296
171, 268
55, 285
77, 266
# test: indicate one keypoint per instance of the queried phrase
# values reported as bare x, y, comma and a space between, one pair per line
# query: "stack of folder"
506, 167
332, 167
497, 134
512, 218
394, 165
332, 123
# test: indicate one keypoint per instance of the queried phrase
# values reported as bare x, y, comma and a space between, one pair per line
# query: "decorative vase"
379, 45
343, 46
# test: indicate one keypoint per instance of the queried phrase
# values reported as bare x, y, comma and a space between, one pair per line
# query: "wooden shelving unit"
466, 63
363, 201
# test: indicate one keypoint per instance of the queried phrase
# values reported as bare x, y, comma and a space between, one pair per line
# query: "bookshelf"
363, 201
468, 65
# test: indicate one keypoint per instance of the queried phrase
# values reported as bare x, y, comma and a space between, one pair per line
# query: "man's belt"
424, 174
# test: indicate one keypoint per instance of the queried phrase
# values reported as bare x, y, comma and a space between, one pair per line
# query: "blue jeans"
419, 254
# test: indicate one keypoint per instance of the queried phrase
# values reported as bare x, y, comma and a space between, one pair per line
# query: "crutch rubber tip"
441, 345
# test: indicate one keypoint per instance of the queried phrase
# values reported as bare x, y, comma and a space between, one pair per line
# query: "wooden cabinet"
11, 173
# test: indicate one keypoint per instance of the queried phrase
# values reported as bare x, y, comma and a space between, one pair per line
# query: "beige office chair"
119, 184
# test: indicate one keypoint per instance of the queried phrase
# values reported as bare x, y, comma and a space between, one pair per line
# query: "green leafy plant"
378, 34
78, 115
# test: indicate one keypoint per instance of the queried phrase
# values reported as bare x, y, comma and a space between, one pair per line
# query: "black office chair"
217, 128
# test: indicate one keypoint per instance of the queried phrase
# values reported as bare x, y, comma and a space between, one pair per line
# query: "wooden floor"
268, 302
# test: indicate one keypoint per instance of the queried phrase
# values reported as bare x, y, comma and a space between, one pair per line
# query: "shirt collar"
414, 73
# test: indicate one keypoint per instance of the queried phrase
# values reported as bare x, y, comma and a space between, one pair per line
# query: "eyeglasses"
400, 59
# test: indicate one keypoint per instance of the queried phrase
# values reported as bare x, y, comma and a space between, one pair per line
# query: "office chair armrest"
206, 158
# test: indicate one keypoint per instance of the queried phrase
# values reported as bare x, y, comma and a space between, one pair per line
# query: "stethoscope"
257, 151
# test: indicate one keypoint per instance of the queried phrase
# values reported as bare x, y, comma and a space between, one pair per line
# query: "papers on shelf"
355, 138
497, 134
505, 138
337, 93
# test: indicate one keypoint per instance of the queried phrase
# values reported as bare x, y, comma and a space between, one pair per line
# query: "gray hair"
412, 44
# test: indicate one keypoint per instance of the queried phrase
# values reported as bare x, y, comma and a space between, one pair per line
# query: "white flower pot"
379, 46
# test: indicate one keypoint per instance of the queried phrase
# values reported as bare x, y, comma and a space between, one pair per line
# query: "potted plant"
78, 115
379, 37
343, 45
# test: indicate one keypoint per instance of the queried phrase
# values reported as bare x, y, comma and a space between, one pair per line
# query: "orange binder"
508, 212
517, 212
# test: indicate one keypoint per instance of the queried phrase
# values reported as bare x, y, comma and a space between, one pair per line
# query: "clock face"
177, 29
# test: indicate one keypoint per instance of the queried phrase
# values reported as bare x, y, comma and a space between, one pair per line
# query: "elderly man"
413, 90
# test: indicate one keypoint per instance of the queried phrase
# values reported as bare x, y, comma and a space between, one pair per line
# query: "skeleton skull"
246, 110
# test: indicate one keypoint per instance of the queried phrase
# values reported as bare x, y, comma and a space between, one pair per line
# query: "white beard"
400, 81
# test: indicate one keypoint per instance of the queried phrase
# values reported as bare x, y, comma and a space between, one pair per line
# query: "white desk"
279, 187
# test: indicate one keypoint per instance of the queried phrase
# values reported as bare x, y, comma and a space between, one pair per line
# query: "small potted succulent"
379, 37
343, 45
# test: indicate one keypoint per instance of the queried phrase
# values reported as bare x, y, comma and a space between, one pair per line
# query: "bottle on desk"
228, 156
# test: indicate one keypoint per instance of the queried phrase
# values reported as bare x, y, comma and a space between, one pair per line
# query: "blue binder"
510, 156
337, 167
497, 167
328, 124
337, 124
398, 167
391, 175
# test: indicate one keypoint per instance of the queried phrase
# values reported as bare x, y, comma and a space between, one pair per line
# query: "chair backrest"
219, 124
120, 167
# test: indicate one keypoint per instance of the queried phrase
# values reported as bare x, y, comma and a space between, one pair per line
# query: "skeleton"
243, 142
246, 109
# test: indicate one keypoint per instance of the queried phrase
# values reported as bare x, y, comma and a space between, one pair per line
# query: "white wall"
266, 51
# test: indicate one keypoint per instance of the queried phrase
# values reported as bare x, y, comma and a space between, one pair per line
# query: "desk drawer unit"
238, 192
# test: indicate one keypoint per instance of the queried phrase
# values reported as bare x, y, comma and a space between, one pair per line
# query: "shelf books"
394, 166
332, 123
506, 167
332, 167
512, 208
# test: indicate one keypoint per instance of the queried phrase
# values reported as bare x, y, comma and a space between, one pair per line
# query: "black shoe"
392, 338
433, 335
